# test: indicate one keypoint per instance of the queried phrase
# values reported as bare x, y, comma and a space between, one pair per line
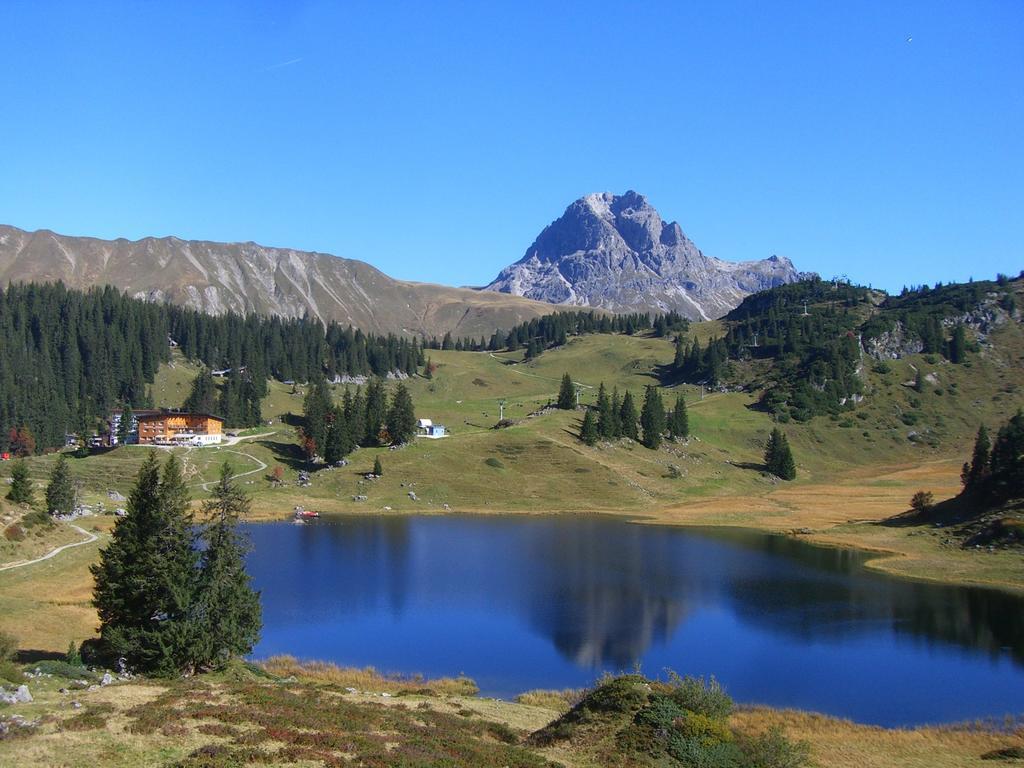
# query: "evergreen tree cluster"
778, 457
365, 417
811, 331
173, 597
613, 417
995, 472
694, 364
296, 349
236, 400
68, 359
541, 333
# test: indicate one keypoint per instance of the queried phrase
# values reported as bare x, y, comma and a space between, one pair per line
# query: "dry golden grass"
557, 701
367, 679
841, 743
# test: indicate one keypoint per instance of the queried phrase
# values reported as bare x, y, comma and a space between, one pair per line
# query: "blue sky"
435, 140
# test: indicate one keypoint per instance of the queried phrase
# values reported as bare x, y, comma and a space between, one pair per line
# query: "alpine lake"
519, 602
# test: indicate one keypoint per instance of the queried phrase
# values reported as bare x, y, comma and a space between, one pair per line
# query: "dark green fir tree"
228, 617
588, 429
652, 418
21, 491
60, 492
566, 394
401, 416
679, 420
628, 418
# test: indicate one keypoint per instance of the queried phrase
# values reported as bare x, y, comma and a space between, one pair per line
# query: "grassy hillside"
538, 464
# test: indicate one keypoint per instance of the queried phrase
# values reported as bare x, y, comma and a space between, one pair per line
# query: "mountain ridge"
249, 277
615, 252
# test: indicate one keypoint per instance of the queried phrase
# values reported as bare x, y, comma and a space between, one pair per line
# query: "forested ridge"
70, 358
814, 332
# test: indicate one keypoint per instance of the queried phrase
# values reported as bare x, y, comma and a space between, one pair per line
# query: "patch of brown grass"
839, 743
557, 701
367, 679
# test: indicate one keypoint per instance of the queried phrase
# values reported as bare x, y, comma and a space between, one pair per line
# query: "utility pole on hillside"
501, 410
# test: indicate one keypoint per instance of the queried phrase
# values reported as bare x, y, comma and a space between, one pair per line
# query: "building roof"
424, 423
145, 415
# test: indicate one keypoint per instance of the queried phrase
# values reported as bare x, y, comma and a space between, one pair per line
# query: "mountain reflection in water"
520, 602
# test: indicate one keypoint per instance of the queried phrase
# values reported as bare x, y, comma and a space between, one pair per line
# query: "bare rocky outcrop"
615, 252
894, 344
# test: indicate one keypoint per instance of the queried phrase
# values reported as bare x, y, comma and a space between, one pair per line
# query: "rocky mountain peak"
616, 252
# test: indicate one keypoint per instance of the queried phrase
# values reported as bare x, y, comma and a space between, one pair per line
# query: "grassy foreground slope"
284, 714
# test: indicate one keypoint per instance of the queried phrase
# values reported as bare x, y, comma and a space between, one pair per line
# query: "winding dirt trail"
89, 539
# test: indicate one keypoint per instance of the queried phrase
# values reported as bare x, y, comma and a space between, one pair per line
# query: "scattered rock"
107, 679
22, 695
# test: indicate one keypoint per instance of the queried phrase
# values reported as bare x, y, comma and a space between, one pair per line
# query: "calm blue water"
550, 602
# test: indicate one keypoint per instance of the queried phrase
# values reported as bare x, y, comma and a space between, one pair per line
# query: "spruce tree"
615, 421
21, 484
978, 470
316, 411
566, 394
378, 468
401, 416
679, 421
228, 617
786, 464
336, 442
778, 457
958, 345
604, 413
124, 425
679, 361
771, 451
376, 412
145, 589
1006, 464
203, 396
174, 562
60, 492
588, 430
652, 418
628, 418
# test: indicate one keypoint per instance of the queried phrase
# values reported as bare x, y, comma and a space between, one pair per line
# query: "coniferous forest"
68, 358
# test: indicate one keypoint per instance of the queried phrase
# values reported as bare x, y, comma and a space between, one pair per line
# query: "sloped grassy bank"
283, 713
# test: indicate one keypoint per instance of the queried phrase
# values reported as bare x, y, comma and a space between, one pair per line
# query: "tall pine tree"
652, 418
145, 586
228, 617
401, 416
628, 418
679, 420
588, 429
566, 394
60, 492
21, 491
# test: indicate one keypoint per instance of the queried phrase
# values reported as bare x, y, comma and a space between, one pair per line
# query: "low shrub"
14, 532
67, 670
11, 672
700, 696
8, 646
493, 462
